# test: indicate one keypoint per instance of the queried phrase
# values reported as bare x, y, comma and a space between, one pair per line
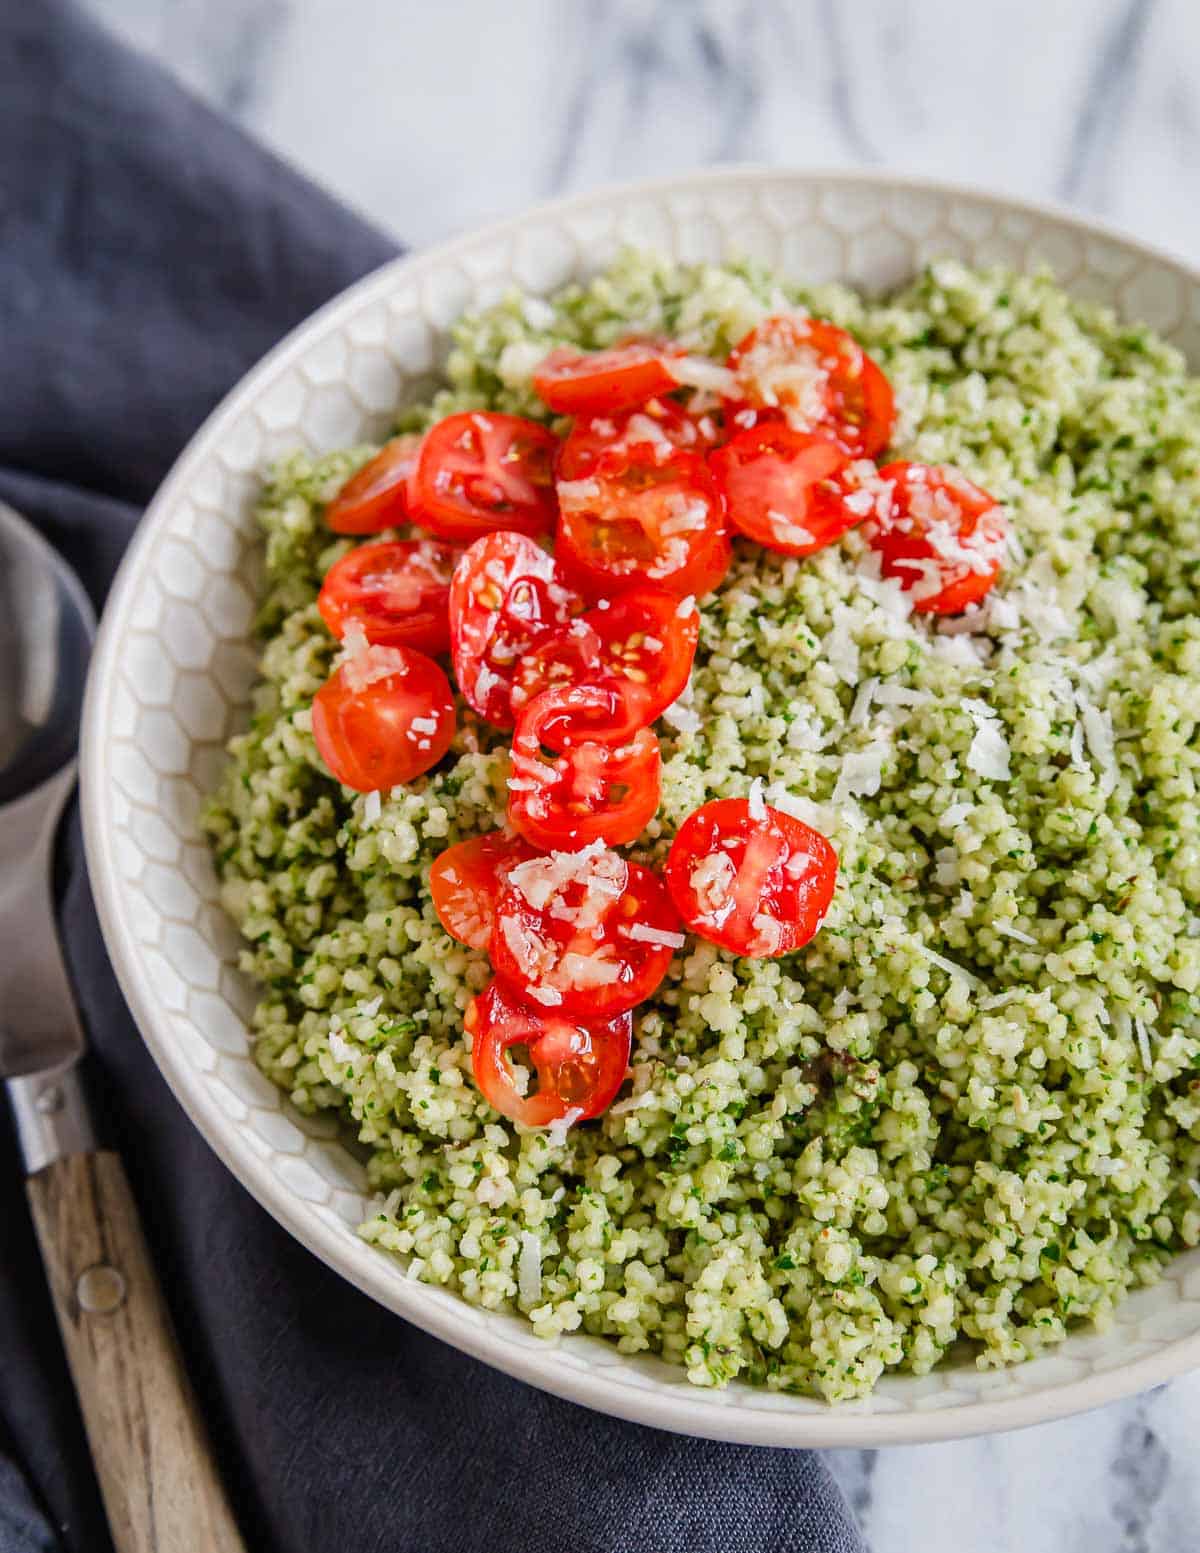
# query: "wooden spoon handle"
155, 1466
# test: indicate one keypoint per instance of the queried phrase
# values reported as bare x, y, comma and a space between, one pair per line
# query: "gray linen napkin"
149, 253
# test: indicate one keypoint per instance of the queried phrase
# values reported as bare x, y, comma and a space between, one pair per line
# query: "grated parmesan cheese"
699, 372
840, 647
861, 709
712, 879
951, 967
989, 754
582, 971
769, 933
682, 718
642, 933
1098, 730
529, 1269
861, 775
574, 492
556, 1132
1019, 934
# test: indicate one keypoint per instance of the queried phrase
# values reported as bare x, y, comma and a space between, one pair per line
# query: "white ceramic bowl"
174, 665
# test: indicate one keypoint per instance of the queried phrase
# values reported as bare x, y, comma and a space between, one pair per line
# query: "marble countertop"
432, 118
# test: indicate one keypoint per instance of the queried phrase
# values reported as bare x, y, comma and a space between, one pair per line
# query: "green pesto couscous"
966, 1116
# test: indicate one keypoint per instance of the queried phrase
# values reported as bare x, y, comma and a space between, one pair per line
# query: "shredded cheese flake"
529, 1269
951, 967
556, 1132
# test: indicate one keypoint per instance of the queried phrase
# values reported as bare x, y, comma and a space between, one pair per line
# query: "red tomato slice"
465, 880
376, 497
642, 644
944, 537
478, 472
382, 718
583, 933
569, 656
506, 595
818, 378
639, 519
653, 430
396, 592
606, 784
575, 382
579, 1067
792, 491
758, 884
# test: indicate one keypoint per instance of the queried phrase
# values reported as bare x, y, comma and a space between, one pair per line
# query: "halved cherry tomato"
575, 382
604, 786
583, 933
818, 378
506, 595
758, 884
792, 491
376, 497
569, 656
478, 472
382, 718
579, 1067
653, 429
397, 592
465, 880
638, 519
944, 537
642, 644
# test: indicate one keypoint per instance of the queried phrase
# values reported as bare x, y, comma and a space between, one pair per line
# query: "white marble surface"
432, 117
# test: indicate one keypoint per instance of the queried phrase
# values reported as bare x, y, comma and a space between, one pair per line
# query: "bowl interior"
175, 663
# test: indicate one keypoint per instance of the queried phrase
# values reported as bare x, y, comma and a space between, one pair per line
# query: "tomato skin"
853, 403
506, 596
465, 880
573, 382
786, 489
363, 718
548, 949
640, 645
749, 878
580, 1067
927, 499
638, 519
479, 472
397, 592
604, 785
377, 496
652, 430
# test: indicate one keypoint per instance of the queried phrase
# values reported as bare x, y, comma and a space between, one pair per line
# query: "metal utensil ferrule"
51, 1114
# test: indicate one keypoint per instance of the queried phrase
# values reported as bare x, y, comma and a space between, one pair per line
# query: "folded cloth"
149, 254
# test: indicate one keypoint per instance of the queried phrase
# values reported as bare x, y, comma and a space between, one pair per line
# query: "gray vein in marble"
237, 45
841, 97
580, 96
1179, 109
855, 1471
1106, 100
895, 45
733, 75
1139, 1477
649, 53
